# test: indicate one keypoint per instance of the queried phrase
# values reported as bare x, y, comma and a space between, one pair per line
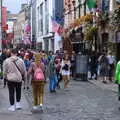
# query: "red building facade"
4, 27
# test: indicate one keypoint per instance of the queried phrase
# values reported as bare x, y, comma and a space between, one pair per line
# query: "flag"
105, 5
60, 30
55, 25
27, 28
91, 3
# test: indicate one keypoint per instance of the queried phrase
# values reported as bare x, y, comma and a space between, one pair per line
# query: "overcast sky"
14, 5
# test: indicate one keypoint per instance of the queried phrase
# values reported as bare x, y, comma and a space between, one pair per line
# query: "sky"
14, 5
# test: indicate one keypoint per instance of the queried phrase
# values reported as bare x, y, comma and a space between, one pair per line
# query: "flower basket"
88, 18
90, 32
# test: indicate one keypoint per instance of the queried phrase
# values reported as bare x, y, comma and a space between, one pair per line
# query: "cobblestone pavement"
80, 101
109, 86
24, 114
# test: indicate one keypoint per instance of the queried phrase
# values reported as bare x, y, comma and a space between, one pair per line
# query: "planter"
90, 33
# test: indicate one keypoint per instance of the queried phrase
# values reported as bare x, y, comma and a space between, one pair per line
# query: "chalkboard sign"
81, 64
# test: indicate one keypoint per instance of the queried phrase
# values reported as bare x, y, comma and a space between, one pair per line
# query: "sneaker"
41, 105
35, 108
11, 108
18, 105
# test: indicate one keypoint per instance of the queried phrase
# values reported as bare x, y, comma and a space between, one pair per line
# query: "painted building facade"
21, 36
45, 9
33, 23
19, 25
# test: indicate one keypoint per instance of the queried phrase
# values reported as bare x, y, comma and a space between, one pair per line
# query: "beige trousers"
38, 92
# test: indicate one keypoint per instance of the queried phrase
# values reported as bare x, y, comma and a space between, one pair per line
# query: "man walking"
14, 71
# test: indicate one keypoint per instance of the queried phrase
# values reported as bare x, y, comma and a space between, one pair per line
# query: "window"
41, 19
38, 20
46, 17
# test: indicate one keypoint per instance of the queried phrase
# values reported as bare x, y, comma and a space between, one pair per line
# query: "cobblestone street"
81, 101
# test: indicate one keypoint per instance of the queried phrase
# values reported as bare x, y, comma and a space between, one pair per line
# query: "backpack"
38, 74
66, 67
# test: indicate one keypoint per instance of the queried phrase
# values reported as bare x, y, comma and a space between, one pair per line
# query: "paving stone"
81, 101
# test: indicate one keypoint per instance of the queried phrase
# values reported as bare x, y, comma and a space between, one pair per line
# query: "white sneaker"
41, 105
11, 108
35, 108
18, 105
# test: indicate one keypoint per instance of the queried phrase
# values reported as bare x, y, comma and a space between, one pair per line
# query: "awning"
50, 35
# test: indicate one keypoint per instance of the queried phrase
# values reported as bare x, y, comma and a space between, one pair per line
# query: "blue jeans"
53, 82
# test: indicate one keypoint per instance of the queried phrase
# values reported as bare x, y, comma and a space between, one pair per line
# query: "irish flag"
91, 3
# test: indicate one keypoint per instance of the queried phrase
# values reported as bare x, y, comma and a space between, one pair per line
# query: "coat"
117, 73
11, 72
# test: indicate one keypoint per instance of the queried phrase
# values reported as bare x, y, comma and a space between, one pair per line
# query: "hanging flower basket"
88, 18
82, 20
90, 32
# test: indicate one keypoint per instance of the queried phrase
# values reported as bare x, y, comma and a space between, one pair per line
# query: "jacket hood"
13, 58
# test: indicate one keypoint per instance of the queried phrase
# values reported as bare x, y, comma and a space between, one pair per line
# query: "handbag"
23, 78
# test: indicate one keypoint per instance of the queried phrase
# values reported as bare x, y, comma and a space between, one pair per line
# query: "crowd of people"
102, 66
35, 68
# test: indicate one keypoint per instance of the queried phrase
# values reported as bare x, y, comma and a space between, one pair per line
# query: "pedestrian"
111, 61
117, 78
14, 71
65, 70
57, 63
52, 76
104, 67
3, 57
27, 65
50, 56
93, 65
73, 65
45, 62
38, 81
